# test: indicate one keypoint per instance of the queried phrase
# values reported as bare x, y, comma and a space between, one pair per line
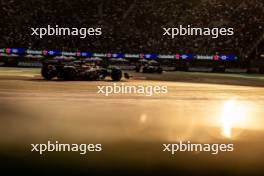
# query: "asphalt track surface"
199, 107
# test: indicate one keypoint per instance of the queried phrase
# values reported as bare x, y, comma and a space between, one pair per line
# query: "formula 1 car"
149, 67
79, 70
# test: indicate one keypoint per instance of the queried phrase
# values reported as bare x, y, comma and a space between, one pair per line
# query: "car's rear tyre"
69, 74
116, 75
48, 72
137, 69
145, 70
159, 70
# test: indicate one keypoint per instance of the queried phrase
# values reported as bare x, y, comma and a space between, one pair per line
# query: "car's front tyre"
48, 72
116, 75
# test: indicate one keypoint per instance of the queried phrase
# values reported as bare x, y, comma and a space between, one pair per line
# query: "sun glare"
233, 115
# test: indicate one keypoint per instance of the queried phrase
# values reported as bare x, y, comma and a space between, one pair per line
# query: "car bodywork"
79, 70
149, 67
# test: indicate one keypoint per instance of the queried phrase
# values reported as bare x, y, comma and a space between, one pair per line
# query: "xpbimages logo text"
65, 31
147, 90
187, 146
60, 147
188, 30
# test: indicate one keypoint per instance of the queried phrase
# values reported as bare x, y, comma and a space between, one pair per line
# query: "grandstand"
135, 26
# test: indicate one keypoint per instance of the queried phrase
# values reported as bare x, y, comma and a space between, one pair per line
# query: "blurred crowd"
133, 26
